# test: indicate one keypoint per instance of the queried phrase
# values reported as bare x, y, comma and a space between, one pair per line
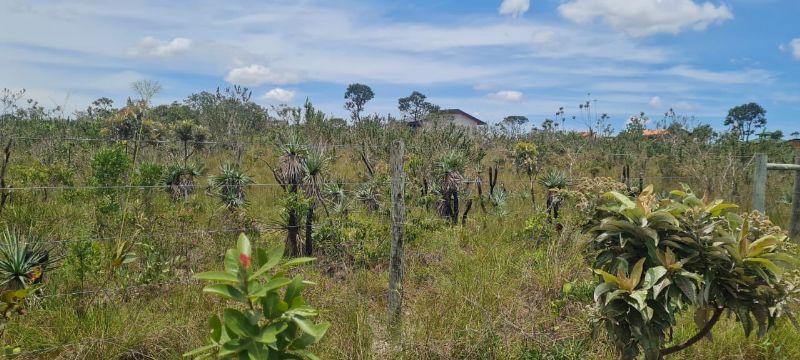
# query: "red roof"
653, 133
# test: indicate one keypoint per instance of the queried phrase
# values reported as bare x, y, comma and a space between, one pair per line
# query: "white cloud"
655, 102
745, 76
506, 95
514, 8
255, 75
152, 47
278, 95
647, 17
793, 47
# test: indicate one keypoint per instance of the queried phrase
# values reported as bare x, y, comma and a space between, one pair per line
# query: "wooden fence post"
396, 255
760, 183
794, 226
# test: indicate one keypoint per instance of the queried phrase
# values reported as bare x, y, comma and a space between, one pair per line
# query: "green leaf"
239, 323
296, 261
269, 334
624, 200
231, 261
652, 275
294, 289
758, 246
273, 284
217, 276
769, 265
274, 256
201, 350
308, 327
226, 291
216, 328
716, 209
607, 278
657, 288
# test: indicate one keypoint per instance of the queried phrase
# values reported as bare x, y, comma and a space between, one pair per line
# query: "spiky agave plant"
229, 185
290, 174
554, 181
336, 195
179, 180
315, 165
449, 171
23, 260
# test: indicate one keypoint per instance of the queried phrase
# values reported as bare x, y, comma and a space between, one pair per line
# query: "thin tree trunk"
309, 232
3, 191
292, 232
454, 212
467, 208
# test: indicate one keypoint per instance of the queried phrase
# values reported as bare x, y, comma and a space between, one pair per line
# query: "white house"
452, 116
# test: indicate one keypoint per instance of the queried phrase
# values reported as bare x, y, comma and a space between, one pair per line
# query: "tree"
357, 96
770, 135
746, 119
146, 89
416, 107
101, 108
513, 123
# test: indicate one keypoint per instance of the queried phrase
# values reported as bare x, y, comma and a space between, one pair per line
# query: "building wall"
457, 119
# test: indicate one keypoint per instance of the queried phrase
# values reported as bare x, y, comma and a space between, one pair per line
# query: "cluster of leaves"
229, 186
11, 303
273, 321
23, 260
657, 258
586, 193
525, 157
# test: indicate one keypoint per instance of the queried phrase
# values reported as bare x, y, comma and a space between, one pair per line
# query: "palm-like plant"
315, 164
229, 185
23, 260
448, 170
292, 170
290, 174
554, 181
180, 180
335, 194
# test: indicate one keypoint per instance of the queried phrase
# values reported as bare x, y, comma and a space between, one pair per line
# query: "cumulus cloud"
152, 47
278, 95
255, 75
506, 95
514, 8
655, 102
647, 17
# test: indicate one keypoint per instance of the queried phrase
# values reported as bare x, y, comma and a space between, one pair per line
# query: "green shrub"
273, 320
655, 259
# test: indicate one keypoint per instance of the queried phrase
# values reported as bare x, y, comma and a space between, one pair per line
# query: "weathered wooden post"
760, 183
794, 226
396, 254
760, 189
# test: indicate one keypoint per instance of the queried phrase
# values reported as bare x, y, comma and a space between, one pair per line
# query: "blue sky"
491, 58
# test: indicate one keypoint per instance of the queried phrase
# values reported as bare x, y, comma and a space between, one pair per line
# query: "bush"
655, 259
274, 324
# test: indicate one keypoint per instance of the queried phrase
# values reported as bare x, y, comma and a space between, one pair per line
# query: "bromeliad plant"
23, 260
229, 186
658, 258
273, 320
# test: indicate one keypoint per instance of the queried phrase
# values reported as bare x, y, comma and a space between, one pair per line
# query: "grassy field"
504, 285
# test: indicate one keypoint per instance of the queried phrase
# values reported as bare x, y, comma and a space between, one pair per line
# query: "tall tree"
357, 96
746, 119
415, 107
